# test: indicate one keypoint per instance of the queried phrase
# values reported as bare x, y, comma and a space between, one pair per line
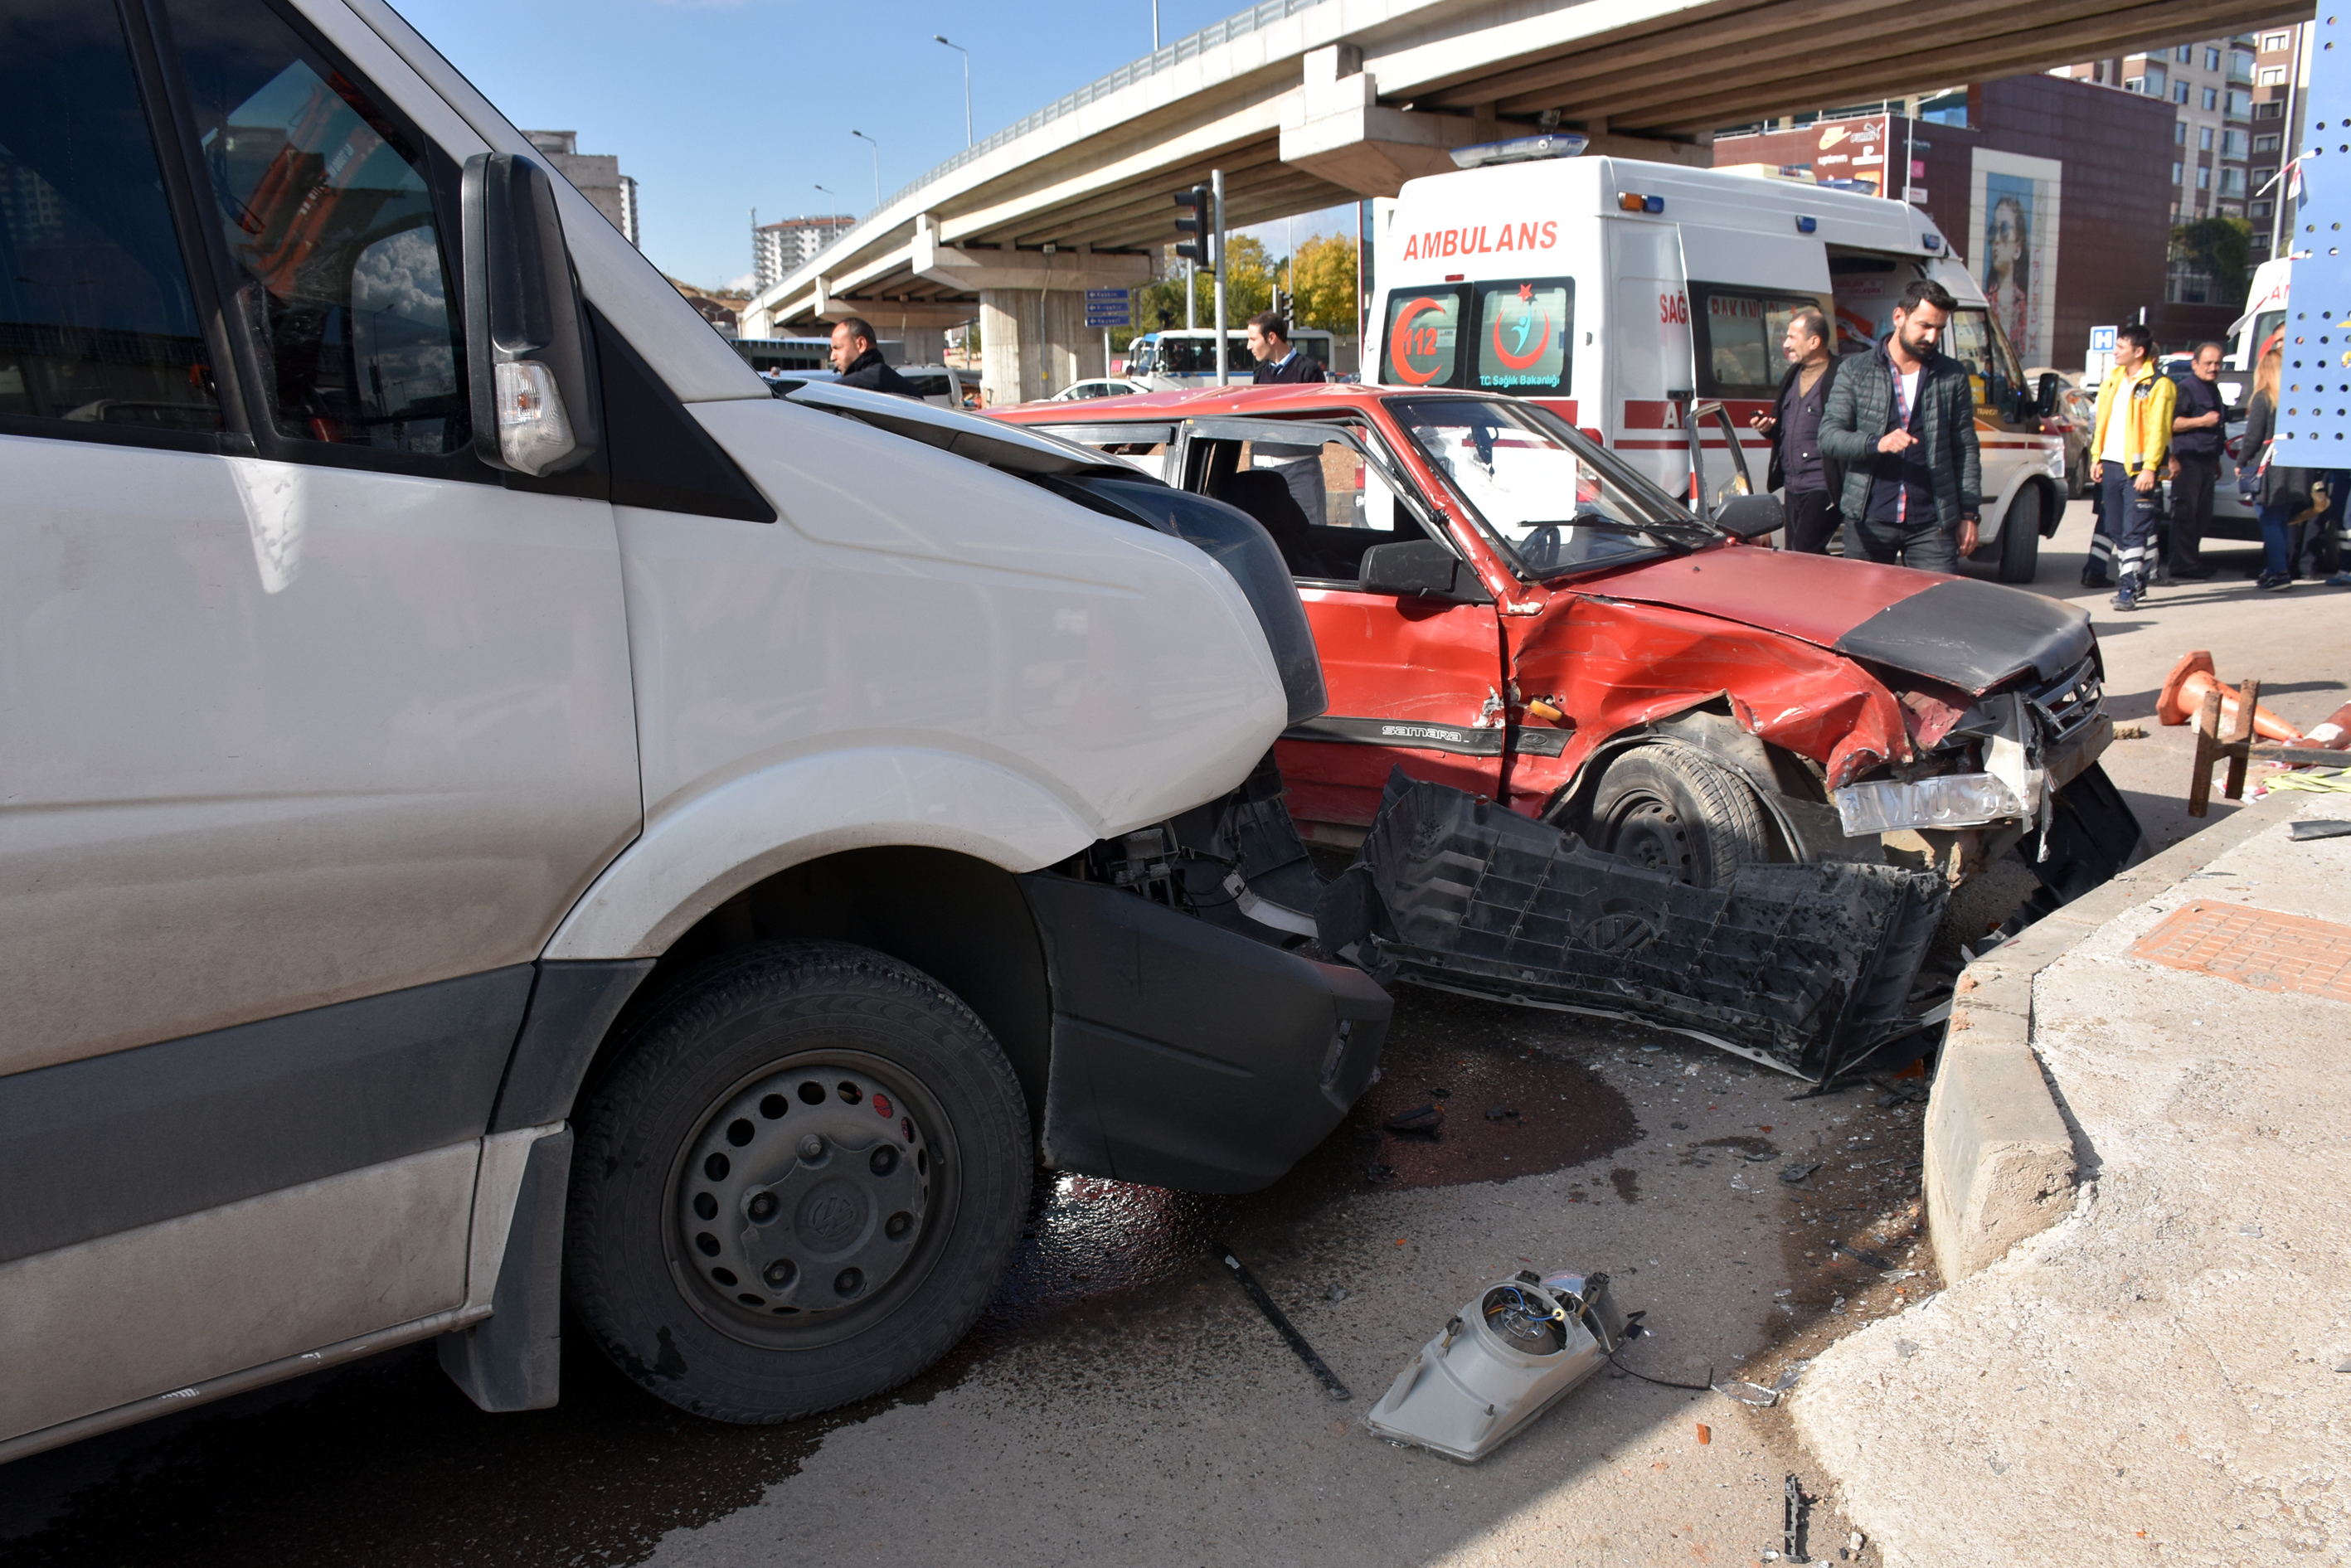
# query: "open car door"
1410, 641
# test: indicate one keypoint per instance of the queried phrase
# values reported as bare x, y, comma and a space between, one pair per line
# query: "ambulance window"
1738, 333
1524, 330
1994, 374
1422, 343
325, 204
99, 333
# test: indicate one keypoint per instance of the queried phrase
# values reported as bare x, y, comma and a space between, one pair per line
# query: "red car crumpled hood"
1956, 630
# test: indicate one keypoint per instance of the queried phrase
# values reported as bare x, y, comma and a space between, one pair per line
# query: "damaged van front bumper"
1186, 1054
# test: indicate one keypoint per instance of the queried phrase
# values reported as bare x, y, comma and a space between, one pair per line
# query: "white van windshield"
1548, 505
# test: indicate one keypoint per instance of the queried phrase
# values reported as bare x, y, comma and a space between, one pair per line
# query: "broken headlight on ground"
1804, 968
1509, 1354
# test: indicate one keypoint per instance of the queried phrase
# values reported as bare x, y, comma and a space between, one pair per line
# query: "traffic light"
1199, 221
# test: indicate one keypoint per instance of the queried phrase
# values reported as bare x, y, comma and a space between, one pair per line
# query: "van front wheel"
799, 1187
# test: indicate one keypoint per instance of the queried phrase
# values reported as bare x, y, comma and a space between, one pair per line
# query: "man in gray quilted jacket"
1902, 420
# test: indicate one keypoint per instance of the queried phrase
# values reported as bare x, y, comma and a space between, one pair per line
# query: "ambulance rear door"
1745, 285
1647, 368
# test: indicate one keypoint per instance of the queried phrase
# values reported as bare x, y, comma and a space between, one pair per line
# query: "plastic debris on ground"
1806, 967
2317, 828
1514, 1350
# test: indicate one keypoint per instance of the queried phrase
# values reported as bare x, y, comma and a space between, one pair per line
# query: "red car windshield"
1549, 505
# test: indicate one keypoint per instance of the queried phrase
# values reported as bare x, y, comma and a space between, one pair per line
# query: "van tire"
2020, 537
757, 1082
1678, 810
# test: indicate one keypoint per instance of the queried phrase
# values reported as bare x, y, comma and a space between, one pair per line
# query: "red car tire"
1676, 809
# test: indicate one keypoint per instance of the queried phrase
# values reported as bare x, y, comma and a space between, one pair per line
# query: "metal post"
1154, 27
877, 165
1105, 350
958, 49
1216, 186
1191, 300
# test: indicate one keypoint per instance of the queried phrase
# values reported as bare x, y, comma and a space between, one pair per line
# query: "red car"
1502, 605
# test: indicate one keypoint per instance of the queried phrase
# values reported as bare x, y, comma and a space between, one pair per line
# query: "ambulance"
1633, 298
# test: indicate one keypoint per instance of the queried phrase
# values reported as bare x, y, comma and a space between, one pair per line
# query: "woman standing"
2278, 495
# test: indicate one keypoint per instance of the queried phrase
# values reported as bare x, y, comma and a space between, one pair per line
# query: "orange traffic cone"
2183, 694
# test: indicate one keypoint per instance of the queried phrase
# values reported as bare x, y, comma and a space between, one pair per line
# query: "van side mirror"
1750, 516
534, 405
1421, 568
2044, 401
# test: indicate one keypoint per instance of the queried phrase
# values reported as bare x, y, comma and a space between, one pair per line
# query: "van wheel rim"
810, 1195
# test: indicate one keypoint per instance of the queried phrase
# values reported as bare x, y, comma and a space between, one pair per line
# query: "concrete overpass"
1306, 103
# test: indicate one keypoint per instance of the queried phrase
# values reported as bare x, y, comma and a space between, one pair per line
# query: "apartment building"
778, 249
2209, 85
599, 177
2281, 105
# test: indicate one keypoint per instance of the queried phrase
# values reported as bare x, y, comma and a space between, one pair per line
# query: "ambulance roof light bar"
1520, 150
1633, 202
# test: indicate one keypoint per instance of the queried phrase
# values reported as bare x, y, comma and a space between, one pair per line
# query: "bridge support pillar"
1032, 320
1033, 342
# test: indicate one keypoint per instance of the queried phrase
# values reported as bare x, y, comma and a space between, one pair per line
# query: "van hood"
1969, 634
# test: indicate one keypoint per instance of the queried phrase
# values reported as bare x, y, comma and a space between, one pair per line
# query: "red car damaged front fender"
1609, 667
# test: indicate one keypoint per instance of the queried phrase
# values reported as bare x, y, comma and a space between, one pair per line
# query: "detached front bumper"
1186, 1055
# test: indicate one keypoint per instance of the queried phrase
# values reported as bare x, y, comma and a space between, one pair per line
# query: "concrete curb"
2000, 1163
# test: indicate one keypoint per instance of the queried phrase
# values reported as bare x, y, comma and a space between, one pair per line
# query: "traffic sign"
2102, 340
1108, 308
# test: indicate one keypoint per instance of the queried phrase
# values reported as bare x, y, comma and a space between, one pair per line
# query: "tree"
2218, 247
1323, 281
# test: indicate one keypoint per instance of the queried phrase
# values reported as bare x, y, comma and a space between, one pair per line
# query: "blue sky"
717, 108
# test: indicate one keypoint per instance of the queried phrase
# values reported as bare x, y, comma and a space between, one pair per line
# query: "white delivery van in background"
454, 709
1176, 358
1619, 294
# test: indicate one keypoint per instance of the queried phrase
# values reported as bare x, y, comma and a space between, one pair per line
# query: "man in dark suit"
1902, 420
1812, 481
1269, 345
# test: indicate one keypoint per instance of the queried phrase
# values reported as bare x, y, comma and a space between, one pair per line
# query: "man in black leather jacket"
1902, 420
857, 355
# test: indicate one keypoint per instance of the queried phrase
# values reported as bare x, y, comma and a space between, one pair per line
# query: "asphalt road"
1123, 1402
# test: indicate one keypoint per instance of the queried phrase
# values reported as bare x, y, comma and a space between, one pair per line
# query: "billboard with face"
2013, 213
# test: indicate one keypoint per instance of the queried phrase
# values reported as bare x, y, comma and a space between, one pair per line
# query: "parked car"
944, 386
460, 737
1098, 387
1503, 606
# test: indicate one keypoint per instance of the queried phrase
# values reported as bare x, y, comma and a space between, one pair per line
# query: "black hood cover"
1973, 635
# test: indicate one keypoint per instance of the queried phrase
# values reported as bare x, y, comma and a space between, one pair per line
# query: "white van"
1179, 357
453, 710
1622, 295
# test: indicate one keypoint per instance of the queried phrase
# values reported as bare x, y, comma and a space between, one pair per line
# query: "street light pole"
1154, 27
958, 49
877, 165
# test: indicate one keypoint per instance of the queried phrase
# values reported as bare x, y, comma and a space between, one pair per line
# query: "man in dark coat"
1902, 420
1269, 345
1809, 480
857, 355
2198, 414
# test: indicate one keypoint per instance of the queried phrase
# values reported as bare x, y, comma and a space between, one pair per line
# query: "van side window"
1422, 343
1526, 329
97, 328
323, 200
1738, 332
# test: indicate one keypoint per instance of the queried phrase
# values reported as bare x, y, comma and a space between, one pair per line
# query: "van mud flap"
1806, 968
